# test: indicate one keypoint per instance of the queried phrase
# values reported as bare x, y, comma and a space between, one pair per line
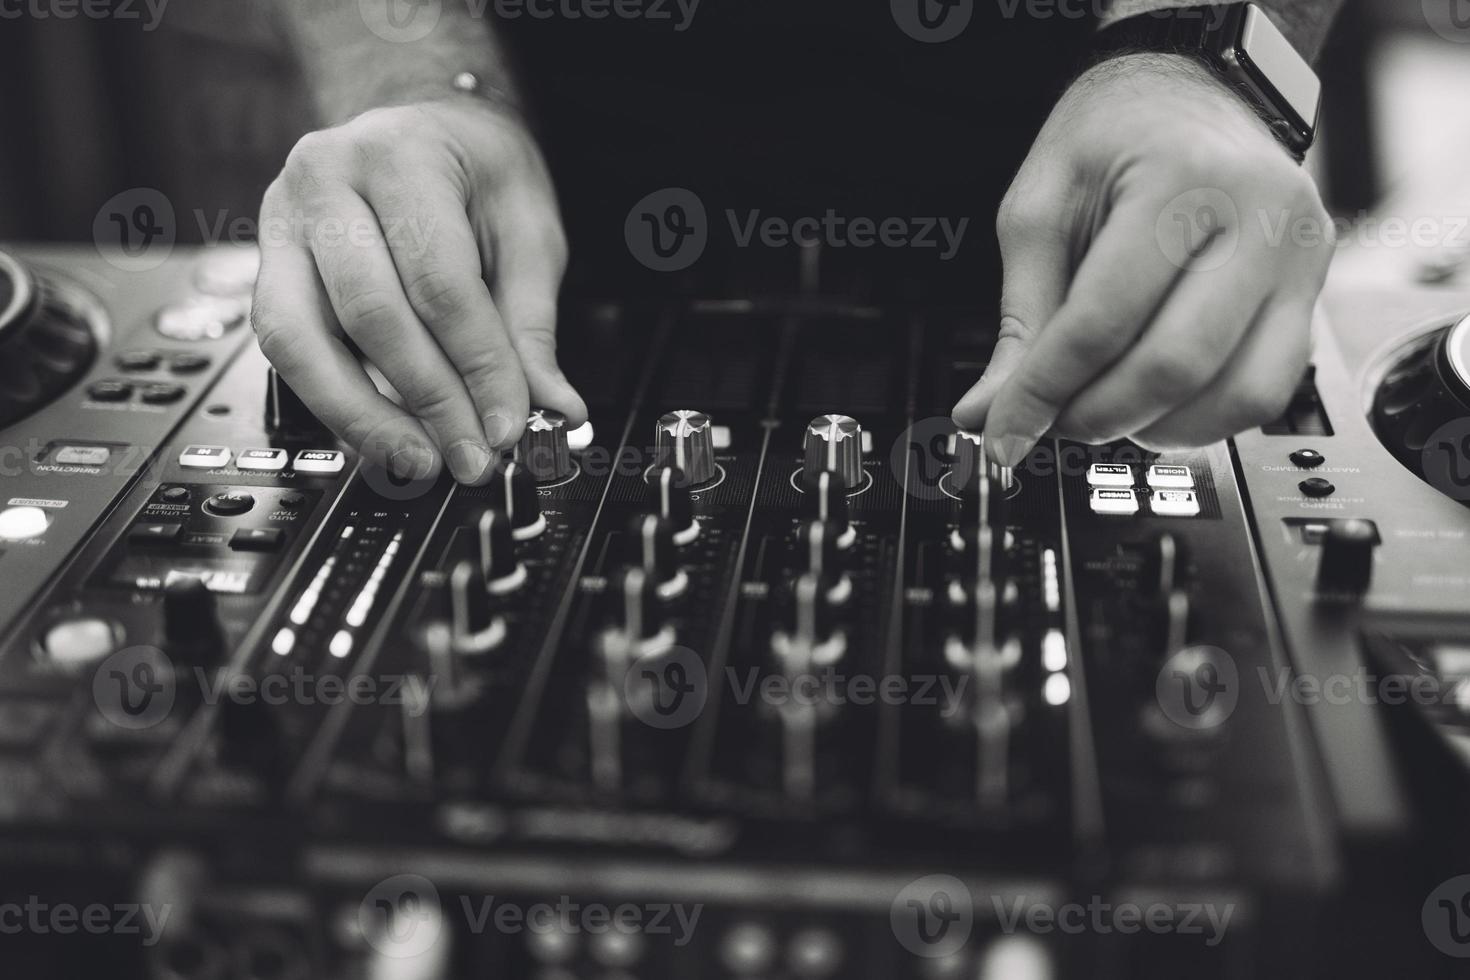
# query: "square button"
154, 534
262, 459
204, 457
82, 456
1165, 477
1110, 475
1176, 503
257, 539
1117, 502
320, 461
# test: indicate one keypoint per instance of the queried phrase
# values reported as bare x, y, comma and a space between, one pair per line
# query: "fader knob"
969, 458
671, 500
826, 501
474, 627
835, 443
1347, 557
513, 490
650, 545
818, 543
499, 568
685, 439
543, 446
639, 615
191, 626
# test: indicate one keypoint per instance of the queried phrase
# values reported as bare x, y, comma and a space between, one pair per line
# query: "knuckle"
438, 296
368, 312
1176, 376
1095, 341
312, 153
435, 402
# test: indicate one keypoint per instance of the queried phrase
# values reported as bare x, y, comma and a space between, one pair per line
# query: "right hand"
429, 235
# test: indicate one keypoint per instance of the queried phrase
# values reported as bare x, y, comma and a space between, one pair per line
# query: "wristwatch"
1249, 53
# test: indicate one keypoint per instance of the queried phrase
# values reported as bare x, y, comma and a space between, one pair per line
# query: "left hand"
1159, 276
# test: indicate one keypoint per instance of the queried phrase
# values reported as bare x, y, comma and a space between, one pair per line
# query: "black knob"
638, 612
513, 490
499, 568
811, 623
671, 499
1347, 557
826, 501
191, 626
285, 412
650, 546
475, 627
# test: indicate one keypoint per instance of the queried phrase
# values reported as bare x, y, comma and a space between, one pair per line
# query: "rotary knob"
685, 439
543, 447
834, 442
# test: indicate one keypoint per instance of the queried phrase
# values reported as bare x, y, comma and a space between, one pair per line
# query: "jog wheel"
46, 342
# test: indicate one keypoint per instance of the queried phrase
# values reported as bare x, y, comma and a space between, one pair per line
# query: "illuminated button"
1175, 503
1316, 487
320, 461
166, 532
1117, 502
748, 948
257, 539
110, 391
202, 318
162, 393
83, 640
138, 360
231, 503
262, 459
814, 953
82, 456
228, 271
20, 523
204, 457
1110, 475
617, 950
1307, 459
1162, 477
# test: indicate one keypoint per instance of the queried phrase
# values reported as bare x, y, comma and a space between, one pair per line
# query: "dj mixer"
766, 671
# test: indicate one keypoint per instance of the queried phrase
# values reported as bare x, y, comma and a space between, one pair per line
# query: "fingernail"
1010, 450
497, 430
413, 463
468, 460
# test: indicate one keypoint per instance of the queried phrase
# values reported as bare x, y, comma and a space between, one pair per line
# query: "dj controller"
764, 672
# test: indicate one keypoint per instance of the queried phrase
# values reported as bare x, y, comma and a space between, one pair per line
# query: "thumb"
1035, 261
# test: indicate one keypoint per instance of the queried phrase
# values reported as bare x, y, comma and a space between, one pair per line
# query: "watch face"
1277, 67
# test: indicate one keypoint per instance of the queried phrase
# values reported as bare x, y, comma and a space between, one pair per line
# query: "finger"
1036, 262
529, 260
363, 286
291, 317
438, 261
1253, 389
1191, 338
1122, 280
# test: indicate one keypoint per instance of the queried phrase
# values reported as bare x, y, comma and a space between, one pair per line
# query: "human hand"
428, 234
1153, 287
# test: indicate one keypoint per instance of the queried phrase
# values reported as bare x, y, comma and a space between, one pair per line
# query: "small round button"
110, 391
22, 523
138, 360
82, 640
1316, 487
293, 501
162, 393
231, 503
174, 495
188, 363
1307, 458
